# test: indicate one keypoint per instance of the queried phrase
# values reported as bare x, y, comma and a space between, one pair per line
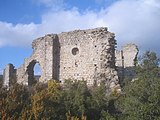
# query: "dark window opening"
75, 51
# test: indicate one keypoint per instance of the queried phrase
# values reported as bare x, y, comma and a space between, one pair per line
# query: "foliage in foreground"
72, 102
140, 99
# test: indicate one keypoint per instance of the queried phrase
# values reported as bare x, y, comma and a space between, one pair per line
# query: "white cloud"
134, 21
20, 34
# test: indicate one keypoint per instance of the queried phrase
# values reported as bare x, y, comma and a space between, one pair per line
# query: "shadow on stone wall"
56, 58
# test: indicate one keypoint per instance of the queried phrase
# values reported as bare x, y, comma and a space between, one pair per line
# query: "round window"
75, 51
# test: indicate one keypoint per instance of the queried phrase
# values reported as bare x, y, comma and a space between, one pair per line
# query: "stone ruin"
88, 55
126, 60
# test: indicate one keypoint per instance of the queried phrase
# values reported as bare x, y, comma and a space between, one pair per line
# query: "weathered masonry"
126, 59
81, 54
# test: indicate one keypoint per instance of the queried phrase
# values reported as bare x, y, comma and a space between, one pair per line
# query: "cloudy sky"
21, 21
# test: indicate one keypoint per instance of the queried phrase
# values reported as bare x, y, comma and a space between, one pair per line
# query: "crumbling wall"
125, 60
87, 55
9, 75
81, 54
43, 53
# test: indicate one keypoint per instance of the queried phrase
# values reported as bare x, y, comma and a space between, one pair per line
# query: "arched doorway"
34, 72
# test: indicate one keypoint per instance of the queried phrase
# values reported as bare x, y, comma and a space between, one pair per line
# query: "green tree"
75, 95
13, 101
81, 100
141, 99
98, 102
46, 103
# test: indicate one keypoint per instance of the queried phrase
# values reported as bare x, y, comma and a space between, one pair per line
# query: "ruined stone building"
81, 54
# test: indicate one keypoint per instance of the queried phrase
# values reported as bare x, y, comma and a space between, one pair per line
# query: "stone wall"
87, 54
43, 52
8, 75
81, 54
125, 60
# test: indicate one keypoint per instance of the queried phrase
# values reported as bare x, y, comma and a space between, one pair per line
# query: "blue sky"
22, 21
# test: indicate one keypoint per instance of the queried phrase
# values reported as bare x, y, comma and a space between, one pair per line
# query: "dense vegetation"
139, 100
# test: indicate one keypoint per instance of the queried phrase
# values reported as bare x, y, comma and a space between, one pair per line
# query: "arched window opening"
37, 72
34, 72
